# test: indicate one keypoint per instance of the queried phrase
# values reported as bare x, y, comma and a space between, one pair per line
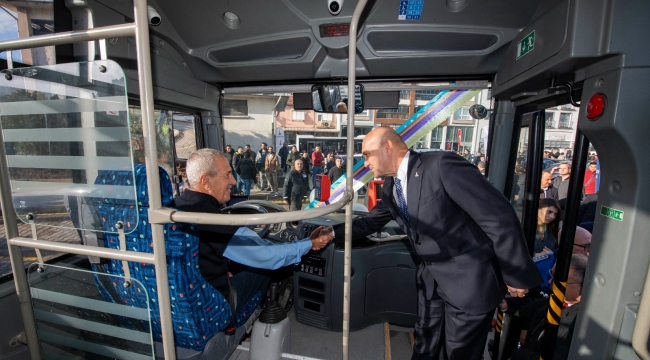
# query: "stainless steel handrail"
134, 256
167, 215
70, 37
347, 258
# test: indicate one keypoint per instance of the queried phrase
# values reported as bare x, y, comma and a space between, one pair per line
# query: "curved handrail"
167, 215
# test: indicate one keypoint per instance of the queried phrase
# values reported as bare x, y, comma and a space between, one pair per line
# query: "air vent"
429, 41
280, 49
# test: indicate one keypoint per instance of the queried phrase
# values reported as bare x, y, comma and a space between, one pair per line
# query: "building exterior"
560, 124
305, 122
248, 119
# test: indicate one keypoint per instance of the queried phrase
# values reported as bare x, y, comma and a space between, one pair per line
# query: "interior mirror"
334, 98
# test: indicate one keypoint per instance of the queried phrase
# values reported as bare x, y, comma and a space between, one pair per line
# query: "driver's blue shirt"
248, 248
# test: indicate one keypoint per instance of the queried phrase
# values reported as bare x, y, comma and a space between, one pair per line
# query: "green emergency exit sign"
526, 45
611, 213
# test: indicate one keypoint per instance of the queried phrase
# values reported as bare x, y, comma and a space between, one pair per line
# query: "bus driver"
210, 177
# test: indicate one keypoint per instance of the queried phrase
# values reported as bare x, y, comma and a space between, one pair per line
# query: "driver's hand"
321, 236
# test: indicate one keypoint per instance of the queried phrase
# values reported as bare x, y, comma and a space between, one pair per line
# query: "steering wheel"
250, 208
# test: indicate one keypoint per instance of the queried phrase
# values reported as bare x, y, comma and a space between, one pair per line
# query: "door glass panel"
89, 315
66, 131
519, 176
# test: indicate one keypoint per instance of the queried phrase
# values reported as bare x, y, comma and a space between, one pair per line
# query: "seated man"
210, 180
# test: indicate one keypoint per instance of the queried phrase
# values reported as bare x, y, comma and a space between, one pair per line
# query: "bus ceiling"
296, 41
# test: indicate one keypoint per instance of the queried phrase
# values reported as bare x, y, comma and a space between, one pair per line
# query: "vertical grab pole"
347, 265
566, 246
153, 179
15, 252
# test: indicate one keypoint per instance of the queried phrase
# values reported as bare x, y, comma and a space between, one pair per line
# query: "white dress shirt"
402, 175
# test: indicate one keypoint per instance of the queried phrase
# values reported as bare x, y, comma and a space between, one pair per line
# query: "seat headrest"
126, 178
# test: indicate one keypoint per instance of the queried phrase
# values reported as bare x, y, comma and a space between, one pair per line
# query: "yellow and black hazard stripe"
557, 300
499, 323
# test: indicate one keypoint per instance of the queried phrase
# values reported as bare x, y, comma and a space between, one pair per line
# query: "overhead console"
382, 285
565, 44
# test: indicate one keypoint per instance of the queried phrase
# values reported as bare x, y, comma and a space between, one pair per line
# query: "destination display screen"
330, 30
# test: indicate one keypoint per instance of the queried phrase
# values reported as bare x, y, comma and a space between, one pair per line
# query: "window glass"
565, 121
164, 137
232, 107
22, 19
550, 120
466, 134
300, 116
184, 145
462, 114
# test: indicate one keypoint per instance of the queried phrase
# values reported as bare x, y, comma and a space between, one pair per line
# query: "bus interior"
114, 88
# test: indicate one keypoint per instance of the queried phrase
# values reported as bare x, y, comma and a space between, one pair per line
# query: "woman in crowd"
548, 221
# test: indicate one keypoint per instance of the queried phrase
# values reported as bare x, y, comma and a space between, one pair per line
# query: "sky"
9, 30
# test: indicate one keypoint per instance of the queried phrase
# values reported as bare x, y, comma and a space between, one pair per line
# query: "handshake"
321, 237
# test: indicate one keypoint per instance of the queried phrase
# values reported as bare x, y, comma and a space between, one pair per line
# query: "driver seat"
200, 314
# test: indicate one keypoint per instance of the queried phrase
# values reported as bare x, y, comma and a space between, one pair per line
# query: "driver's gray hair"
202, 162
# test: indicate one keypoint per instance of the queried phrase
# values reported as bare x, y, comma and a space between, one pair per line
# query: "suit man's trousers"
444, 331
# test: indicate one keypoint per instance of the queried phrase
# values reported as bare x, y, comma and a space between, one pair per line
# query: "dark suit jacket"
464, 230
551, 193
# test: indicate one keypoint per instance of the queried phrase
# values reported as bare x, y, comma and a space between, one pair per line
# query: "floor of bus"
376, 342
369, 343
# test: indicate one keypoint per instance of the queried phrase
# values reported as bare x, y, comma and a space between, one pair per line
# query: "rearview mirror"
334, 98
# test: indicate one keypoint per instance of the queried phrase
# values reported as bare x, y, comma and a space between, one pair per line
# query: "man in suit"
547, 190
466, 234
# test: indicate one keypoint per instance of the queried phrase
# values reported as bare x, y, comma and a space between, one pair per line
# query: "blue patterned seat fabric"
198, 310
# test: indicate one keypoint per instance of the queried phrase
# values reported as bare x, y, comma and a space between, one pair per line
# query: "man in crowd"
317, 160
547, 190
330, 164
561, 183
237, 156
337, 171
210, 177
469, 253
293, 155
260, 160
229, 154
246, 170
271, 167
283, 153
296, 185
306, 167
248, 152
591, 178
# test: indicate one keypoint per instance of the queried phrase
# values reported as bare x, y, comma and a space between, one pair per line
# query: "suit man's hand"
514, 292
320, 237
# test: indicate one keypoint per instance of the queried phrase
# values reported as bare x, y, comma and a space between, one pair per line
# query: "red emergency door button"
596, 106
